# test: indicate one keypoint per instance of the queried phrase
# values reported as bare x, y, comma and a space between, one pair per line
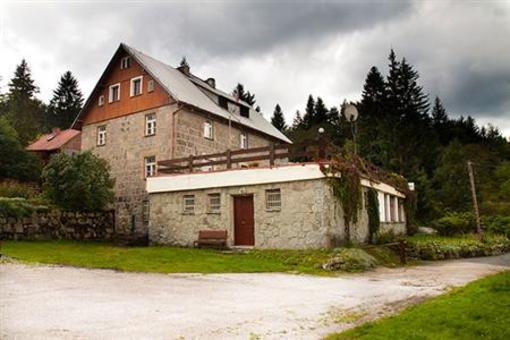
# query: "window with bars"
150, 166
208, 129
214, 203
150, 124
136, 86
101, 135
188, 204
273, 200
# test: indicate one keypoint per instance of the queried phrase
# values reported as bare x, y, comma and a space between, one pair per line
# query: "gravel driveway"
51, 302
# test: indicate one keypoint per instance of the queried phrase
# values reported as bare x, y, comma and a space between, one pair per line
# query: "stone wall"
127, 146
310, 217
56, 225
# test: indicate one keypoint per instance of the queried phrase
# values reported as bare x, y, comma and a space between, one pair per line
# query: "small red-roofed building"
68, 141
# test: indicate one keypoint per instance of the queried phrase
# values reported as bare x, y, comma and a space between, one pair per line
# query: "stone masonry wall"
127, 146
310, 217
56, 225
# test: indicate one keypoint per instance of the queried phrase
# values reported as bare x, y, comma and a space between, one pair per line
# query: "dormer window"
114, 93
223, 102
244, 111
125, 63
136, 86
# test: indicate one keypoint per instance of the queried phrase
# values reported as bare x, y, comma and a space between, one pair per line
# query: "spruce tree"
298, 121
26, 113
321, 112
244, 95
66, 102
278, 120
309, 117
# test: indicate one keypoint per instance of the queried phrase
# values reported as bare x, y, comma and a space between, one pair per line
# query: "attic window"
100, 101
150, 85
223, 102
125, 63
114, 93
244, 111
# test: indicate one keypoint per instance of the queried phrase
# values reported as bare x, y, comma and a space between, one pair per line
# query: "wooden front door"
244, 222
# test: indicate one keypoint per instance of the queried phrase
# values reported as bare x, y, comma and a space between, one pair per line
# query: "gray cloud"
281, 51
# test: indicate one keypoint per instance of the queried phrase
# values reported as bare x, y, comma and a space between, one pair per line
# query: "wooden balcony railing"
302, 152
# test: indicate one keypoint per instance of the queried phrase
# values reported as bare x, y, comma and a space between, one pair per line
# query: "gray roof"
185, 89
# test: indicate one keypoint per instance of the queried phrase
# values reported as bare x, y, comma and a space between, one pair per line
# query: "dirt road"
50, 302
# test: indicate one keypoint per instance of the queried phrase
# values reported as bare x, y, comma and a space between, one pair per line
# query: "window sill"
188, 213
273, 210
135, 95
151, 135
213, 213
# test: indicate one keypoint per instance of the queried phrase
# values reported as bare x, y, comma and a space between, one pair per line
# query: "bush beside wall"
429, 247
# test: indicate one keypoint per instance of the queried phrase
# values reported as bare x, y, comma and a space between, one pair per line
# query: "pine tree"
309, 117
245, 96
66, 102
25, 113
278, 120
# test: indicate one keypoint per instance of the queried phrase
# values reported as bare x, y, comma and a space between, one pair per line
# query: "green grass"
178, 260
481, 310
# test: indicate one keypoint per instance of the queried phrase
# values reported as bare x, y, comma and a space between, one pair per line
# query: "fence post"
271, 154
190, 163
229, 159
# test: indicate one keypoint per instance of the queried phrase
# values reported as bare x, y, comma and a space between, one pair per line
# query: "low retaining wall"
57, 225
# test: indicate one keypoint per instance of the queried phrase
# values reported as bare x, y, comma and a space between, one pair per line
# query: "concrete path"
50, 302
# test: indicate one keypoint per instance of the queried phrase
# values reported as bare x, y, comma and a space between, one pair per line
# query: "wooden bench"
211, 238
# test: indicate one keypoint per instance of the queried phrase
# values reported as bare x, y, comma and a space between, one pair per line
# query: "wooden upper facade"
97, 110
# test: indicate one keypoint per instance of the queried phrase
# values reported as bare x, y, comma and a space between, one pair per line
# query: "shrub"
386, 237
79, 182
454, 223
11, 188
15, 207
498, 225
429, 247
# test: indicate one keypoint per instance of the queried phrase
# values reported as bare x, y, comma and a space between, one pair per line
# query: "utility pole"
473, 194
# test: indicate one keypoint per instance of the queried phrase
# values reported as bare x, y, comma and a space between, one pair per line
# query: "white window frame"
100, 100
243, 140
208, 129
150, 124
125, 62
273, 199
188, 204
213, 206
150, 85
149, 166
101, 135
110, 93
132, 86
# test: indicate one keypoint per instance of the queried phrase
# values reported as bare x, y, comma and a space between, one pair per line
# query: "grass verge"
186, 260
481, 310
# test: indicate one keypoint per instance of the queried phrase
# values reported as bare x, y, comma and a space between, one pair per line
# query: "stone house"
286, 206
142, 111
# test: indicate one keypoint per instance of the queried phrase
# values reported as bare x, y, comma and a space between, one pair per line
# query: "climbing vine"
373, 214
345, 180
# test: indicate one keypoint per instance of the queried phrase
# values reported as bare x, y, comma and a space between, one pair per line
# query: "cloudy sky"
281, 51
